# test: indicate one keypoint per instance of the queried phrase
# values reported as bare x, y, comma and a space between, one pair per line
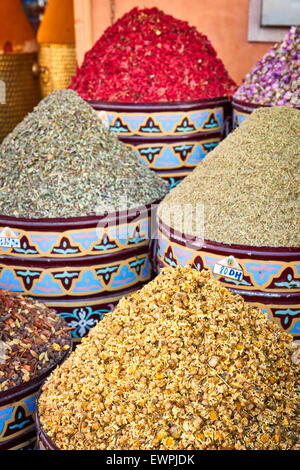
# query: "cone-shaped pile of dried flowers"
274, 80
181, 364
178, 62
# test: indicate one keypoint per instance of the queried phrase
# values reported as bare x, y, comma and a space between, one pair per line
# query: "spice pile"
181, 364
62, 162
248, 185
179, 63
33, 339
275, 79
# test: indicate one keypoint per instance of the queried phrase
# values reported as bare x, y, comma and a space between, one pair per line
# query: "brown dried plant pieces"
30, 335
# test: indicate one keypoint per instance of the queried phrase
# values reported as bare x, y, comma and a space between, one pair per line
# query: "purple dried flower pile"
275, 79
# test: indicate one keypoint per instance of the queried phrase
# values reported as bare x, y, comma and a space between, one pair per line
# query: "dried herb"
178, 62
274, 80
33, 339
62, 162
181, 364
248, 185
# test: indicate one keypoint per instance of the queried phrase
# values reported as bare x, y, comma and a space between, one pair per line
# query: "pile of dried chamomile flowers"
180, 364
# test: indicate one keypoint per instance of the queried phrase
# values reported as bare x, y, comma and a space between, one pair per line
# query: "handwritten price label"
225, 271
9, 242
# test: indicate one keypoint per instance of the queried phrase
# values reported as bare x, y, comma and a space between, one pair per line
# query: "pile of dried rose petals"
275, 79
149, 56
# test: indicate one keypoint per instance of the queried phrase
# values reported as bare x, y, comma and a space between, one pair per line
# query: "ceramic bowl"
171, 138
270, 276
80, 266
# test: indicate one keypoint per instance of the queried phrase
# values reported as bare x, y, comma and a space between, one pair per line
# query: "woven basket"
22, 89
57, 66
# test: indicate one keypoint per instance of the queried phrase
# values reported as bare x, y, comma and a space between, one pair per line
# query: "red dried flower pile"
148, 56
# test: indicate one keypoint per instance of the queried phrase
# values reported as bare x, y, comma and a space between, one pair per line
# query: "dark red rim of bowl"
88, 221
79, 261
25, 389
157, 106
171, 139
248, 104
257, 252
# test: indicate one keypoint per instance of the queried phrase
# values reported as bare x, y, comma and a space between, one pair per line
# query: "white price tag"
9, 242
229, 268
8, 239
103, 116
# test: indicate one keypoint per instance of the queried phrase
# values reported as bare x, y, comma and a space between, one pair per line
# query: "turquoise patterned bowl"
80, 267
242, 109
266, 277
171, 138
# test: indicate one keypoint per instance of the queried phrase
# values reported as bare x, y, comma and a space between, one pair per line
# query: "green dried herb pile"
249, 185
62, 162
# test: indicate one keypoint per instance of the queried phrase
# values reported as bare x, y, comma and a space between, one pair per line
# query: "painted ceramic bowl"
266, 277
171, 138
81, 266
17, 410
242, 109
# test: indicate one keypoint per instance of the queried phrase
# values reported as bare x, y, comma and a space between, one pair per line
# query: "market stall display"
249, 189
149, 231
273, 81
75, 209
19, 87
57, 53
171, 111
180, 364
33, 341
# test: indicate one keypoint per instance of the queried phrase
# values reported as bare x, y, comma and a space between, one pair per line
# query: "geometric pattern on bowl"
17, 417
271, 276
77, 237
82, 314
242, 109
175, 155
86, 266
171, 138
164, 119
173, 161
72, 280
